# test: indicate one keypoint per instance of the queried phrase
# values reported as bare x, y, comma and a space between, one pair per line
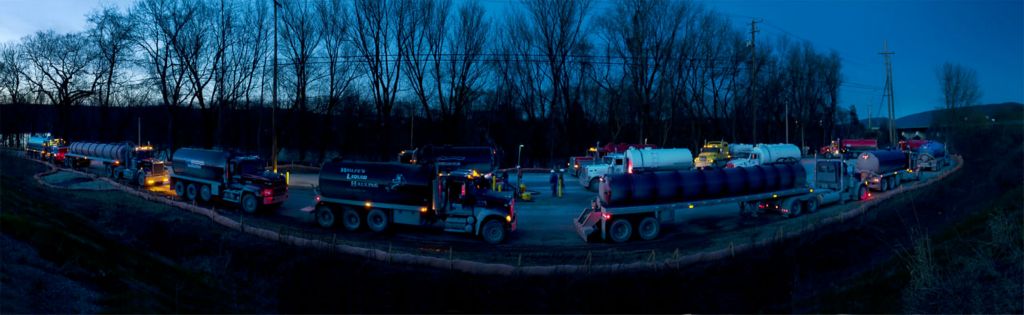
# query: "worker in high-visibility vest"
553, 180
561, 183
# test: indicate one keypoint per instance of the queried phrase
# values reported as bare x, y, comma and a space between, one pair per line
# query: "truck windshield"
144, 154
710, 150
741, 155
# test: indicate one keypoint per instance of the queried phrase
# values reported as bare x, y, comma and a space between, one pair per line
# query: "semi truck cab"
713, 154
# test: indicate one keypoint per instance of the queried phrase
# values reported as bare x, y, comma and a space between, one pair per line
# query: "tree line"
556, 75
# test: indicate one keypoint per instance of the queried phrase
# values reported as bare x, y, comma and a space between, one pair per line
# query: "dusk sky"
985, 35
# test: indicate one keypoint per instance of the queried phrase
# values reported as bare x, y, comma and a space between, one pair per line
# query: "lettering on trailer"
196, 164
354, 173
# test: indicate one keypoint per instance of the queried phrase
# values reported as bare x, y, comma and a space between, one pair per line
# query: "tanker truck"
767, 153
203, 175
883, 170
46, 148
637, 161
648, 200
381, 194
931, 156
121, 161
713, 154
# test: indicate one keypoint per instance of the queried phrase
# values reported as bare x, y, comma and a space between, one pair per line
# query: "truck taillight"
607, 216
729, 165
629, 166
267, 192
317, 198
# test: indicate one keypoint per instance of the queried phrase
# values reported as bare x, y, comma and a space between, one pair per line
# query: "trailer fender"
486, 214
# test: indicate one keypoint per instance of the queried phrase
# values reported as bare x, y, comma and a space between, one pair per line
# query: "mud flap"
586, 223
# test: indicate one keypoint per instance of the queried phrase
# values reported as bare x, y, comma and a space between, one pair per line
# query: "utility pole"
273, 109
888, 94
753, 75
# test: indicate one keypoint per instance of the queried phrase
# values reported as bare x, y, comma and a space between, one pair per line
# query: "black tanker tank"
395, 183
682, 186
881, 161
482, 159
200, 163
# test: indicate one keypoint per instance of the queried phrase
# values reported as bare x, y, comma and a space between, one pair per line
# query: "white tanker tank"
648, 159
768, 153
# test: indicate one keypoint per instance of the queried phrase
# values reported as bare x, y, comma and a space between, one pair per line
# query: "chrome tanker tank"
120, 152
881, 161
396, 183
648, 159
682, 186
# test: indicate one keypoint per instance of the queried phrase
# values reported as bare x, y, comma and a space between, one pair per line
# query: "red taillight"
606, 216
729, 165
317, 198
629, 166
267, 192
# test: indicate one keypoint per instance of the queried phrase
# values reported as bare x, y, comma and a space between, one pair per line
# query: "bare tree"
111, 32
334, 23
301, 35
558, 26
643, 33
12, 65
465, 69
959, 85
378, 34
154, 34
424, 50
58, 66
247, 34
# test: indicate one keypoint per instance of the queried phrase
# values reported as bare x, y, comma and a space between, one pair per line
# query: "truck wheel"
649, 228
191, 191
204, 193
812, 205
112, 173
179, 189
493, 231
620, 230
594, 183
350, 219
863, 193
324, 216
377, 220
249, 203
795, 209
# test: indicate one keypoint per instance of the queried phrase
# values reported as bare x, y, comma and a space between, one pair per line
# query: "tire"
249, 203
325, 216
350, 219
191, 191
811, 205
863, 193
649, 228
620, 230
205, 195
377, 220
179, 189
594, 182
795, 209
493, 231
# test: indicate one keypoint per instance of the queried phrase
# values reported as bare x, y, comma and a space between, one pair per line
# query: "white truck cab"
611, 163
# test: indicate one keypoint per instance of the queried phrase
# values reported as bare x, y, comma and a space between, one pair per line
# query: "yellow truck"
714, 154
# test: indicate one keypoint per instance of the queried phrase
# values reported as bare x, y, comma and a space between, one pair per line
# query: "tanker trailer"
120, 161
931, 156
203, 175
646, 200
46, 148
482, 159
379, 194
768, 153
649, 160
882, 170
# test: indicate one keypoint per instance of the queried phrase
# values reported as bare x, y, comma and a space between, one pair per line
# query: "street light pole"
519, 157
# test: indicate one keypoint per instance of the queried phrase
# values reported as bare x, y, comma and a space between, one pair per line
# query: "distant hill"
1005, 111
